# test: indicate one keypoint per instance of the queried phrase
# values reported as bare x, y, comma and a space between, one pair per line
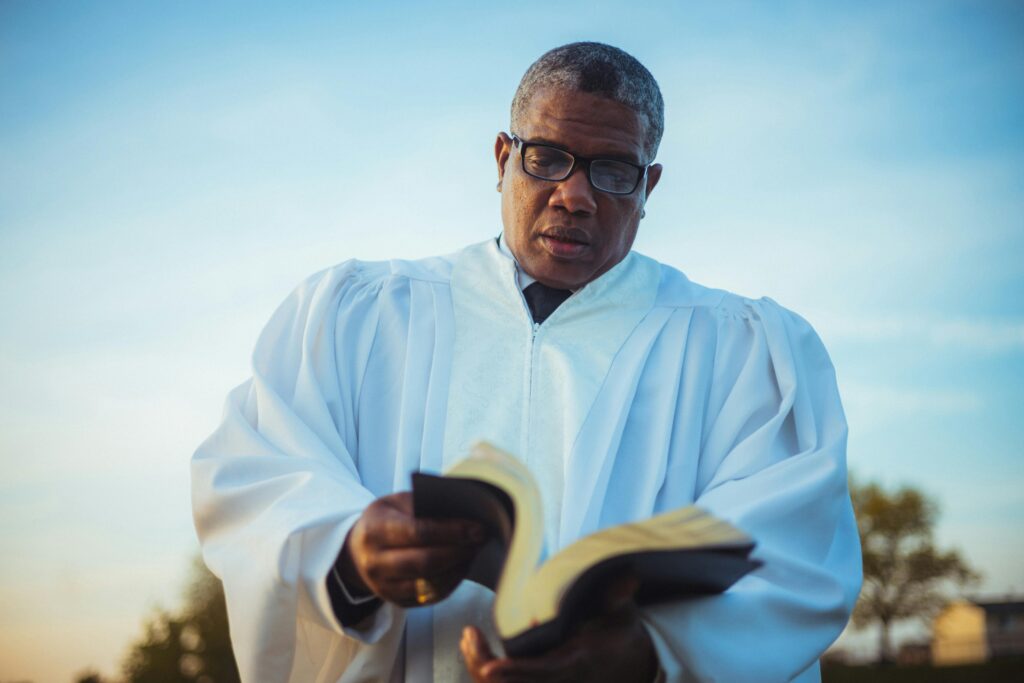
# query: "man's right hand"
388, 549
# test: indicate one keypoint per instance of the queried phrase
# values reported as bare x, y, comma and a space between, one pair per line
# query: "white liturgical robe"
643, 392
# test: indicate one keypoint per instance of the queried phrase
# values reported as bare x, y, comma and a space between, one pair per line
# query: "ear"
502, 150
653, 176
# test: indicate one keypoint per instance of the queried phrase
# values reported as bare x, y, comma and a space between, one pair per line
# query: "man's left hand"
613, 647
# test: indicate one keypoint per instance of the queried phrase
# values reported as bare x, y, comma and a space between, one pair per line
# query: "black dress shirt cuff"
349, 609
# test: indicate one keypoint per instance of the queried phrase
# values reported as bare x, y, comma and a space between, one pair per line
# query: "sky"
170, 171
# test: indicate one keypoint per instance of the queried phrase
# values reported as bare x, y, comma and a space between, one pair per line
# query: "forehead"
584, 123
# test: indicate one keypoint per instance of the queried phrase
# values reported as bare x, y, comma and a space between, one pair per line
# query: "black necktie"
543, 300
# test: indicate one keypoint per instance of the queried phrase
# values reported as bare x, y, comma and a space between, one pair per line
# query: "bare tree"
905, 575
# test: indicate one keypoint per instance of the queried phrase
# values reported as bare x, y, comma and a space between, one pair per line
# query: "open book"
681, 554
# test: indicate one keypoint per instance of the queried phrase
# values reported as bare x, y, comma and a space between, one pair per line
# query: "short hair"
602, 70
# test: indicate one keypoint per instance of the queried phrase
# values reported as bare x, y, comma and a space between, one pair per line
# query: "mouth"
565, 243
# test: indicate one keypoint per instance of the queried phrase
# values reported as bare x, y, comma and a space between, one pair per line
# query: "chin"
562, 279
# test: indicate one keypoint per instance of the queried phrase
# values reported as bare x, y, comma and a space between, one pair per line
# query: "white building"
968, 632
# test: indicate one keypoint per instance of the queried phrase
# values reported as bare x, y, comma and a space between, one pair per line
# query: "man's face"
566, 233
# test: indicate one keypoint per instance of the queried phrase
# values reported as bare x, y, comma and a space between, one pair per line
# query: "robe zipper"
528, 399
534, 331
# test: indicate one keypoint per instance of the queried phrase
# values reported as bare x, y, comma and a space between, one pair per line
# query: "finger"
403, 504
510, 671
565, 663
446, 583
434, 531
498, 671
415, 593
401, 501
410, 592
396, 530
410, 563
476, 652
460, 530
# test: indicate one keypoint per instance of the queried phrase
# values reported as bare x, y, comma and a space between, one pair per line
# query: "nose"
575, 194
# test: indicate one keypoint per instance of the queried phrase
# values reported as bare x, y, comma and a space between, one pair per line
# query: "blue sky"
170, 172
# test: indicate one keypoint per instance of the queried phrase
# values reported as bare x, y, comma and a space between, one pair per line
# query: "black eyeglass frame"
577, 160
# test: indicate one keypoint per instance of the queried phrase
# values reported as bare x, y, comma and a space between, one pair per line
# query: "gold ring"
424, 592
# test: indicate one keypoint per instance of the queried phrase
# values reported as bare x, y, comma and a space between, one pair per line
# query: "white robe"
643, 392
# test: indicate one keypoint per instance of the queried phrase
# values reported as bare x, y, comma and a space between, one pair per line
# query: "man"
626, 389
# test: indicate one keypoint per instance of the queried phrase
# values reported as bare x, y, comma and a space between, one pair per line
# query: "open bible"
677, 555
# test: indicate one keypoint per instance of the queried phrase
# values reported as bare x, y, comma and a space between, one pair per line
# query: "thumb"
475, 648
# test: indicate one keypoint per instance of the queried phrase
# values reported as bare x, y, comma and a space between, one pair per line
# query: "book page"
679, 530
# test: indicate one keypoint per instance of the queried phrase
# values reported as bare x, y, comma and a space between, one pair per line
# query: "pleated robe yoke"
529, 390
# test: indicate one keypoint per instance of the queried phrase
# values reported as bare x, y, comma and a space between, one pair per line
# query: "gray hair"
602, 70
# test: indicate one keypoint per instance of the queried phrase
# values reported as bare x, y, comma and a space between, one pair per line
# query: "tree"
191, 646
905, 575
158, 656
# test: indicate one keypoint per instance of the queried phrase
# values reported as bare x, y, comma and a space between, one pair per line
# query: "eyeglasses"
551, 163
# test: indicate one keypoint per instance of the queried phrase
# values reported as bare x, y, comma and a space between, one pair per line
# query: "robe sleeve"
772, 462
275, 489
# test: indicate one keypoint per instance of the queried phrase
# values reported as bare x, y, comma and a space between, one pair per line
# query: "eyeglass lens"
549, 163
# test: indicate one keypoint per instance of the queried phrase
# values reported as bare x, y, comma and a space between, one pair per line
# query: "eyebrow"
552, 143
